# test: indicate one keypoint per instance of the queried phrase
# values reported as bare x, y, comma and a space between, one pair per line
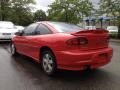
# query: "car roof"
42, 22
5, 22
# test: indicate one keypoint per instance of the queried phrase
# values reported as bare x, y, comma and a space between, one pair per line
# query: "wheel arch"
43, 48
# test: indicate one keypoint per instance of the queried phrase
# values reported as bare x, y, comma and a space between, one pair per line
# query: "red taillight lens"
77, 41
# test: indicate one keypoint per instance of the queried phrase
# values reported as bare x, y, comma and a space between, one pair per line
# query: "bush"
114, 35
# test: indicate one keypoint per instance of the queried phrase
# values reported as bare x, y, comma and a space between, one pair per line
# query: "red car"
59, 45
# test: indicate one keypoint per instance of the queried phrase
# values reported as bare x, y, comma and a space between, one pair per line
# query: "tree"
21, 12
17, 11
69, 10
4, 8
112, 9
40, 15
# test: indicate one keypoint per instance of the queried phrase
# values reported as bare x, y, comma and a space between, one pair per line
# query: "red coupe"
59, 45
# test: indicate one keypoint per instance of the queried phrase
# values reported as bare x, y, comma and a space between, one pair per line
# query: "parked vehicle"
112, 29
58, 45
19, 27
7, 30
90, 27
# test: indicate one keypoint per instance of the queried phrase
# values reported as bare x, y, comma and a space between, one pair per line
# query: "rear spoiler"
97, 31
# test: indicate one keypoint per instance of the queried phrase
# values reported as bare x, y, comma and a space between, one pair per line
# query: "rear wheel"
48, 62
13, 49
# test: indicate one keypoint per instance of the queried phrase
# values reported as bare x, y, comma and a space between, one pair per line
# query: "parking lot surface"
21, 73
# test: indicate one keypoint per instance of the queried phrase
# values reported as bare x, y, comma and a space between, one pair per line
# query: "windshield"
65, 27
7, 25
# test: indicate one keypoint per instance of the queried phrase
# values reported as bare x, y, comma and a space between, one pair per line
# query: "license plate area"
6, 33
102, 57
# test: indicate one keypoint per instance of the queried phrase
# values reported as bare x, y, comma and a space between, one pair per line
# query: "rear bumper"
113, 32
6, 37
5, 40
79, 60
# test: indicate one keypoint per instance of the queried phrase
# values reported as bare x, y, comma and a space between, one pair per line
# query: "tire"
13, 50
48, 62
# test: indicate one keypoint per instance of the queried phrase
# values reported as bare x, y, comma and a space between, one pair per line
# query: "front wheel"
13, 49
48, 62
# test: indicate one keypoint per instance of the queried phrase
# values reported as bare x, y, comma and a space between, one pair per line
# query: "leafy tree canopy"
40, 15
112, 9
17, 11
69, 10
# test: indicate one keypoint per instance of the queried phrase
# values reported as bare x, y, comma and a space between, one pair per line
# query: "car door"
30, 42
37, 41
23, 43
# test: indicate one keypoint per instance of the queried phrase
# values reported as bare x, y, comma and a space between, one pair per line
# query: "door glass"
30, 30
42, 30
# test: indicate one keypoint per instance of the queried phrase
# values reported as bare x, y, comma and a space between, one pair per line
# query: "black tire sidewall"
15, 53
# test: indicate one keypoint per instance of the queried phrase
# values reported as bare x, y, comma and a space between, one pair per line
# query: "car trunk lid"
96, 39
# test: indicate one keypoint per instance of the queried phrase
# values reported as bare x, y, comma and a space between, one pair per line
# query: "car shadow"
34, 69
26, 68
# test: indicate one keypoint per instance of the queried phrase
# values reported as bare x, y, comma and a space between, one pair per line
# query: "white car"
112, 29
19, 27
90, 27
7, 30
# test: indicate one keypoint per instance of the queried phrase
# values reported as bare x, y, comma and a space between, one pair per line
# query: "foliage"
112, 9
113, 35
17, 11
40, 15
69, 10
4, 6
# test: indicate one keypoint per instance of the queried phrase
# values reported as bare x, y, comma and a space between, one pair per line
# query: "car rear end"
7, 30
6, 35
85, 49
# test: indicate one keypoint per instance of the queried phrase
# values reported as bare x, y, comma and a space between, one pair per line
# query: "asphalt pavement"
21, 73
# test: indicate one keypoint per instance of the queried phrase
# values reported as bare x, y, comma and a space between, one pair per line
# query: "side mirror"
19, 33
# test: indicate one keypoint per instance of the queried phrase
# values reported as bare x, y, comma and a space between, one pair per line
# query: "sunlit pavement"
21, 73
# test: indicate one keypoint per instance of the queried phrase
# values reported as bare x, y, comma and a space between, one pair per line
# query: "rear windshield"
65, 27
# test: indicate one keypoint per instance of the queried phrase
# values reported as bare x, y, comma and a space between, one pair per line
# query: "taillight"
77, 41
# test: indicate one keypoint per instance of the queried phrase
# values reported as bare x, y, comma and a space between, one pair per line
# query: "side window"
42, 29
30, 30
